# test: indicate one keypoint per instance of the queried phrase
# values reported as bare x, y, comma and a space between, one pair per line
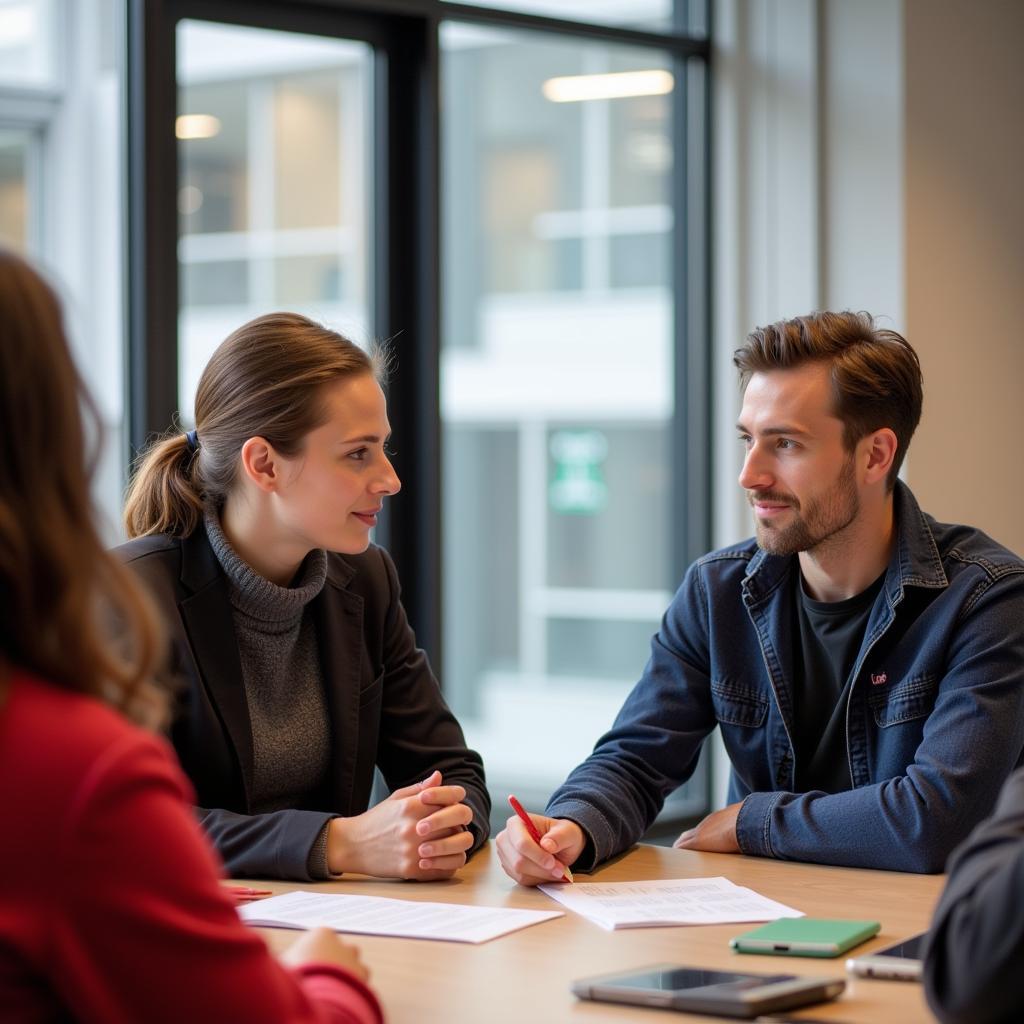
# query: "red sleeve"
141, 929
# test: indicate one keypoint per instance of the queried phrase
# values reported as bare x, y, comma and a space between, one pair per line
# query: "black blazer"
385, 705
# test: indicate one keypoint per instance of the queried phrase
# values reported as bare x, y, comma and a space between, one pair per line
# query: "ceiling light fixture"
196, 126
611, 86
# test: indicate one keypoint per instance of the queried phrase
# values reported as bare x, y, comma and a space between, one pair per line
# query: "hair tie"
192, 440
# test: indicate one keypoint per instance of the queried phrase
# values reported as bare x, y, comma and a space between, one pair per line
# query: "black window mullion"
152, 294
407, 312
345, 21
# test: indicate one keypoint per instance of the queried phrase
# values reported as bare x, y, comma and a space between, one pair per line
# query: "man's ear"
882, 446
261, 464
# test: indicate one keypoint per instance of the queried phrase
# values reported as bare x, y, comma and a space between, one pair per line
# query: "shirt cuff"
753, 824
340, 990
597, 832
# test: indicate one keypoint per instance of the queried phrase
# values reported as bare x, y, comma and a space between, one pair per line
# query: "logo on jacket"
879, 680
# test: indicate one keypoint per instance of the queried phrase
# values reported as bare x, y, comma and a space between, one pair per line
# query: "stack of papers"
377, 915
669, 902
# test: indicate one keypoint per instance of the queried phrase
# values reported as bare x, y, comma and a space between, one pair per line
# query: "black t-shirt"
831, 633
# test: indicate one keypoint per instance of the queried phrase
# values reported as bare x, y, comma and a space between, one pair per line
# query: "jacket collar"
199, 565
340, 570
915, 560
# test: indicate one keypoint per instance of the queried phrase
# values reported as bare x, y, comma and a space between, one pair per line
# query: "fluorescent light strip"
196, 126
611, 86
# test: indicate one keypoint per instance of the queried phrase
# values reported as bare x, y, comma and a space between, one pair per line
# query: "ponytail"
164, 495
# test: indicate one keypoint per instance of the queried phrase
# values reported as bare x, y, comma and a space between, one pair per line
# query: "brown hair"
61, 593
876, 375
262, 381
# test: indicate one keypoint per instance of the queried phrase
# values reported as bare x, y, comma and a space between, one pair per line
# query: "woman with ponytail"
110, 904
298, 671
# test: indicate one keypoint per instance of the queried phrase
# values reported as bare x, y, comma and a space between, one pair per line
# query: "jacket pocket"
371, 693
738, 705
912, 698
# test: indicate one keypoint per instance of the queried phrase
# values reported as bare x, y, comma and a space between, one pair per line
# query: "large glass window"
556, 388
272, 200
542, 374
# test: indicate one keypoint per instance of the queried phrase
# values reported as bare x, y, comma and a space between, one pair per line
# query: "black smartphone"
901, 962
696, 990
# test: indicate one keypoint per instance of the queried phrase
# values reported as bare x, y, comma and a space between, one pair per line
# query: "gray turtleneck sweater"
284, 685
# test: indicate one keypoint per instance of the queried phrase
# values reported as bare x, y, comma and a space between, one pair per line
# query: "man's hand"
715, 834
561, 843
419, 832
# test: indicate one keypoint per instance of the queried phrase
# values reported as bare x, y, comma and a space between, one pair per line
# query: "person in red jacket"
110, 904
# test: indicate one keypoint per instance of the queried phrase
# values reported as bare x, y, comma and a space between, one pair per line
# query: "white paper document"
378, 915
668, 902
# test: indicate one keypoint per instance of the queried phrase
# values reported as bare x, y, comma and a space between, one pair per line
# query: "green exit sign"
578, 487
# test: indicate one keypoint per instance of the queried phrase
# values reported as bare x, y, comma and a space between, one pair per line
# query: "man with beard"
864, 663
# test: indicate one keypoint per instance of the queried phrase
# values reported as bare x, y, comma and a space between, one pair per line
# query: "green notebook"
805, 936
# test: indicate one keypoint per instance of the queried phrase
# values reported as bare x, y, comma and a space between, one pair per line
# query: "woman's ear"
261, 464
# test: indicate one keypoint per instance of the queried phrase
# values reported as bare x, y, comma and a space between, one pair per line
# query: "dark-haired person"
975, 949
864, 663
110, 905
298, 671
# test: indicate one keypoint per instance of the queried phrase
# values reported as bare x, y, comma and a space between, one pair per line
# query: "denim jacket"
934, 720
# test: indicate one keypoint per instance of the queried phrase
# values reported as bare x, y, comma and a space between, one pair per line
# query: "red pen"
532, 829
243, 893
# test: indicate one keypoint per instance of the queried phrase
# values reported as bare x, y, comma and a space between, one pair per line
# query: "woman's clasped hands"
418, 832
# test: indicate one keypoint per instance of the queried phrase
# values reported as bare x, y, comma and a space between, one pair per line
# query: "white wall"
964, 242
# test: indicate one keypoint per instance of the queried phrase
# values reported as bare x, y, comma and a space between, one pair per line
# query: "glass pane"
301, 280
557, 394
27, 42
654, 15
274, 148
14, 189
308, 127
599, 481
213, 128
582, 650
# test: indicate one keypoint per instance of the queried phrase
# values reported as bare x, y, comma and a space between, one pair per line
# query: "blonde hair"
263, 380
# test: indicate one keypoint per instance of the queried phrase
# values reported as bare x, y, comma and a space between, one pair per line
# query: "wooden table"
524, 977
